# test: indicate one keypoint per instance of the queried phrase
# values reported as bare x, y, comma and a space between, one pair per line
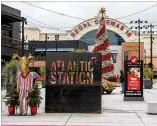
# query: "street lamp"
139, 28
24, 21
31, 43
46, 44
151, 41
57, 39
145, 56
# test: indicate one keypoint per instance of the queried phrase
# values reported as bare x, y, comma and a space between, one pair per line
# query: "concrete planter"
147, 84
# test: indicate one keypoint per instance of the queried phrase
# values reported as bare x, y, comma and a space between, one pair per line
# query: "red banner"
133, 82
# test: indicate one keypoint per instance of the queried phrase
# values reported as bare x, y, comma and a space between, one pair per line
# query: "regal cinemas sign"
95, 22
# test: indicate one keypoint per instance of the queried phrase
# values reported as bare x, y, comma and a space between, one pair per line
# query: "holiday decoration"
24, 82
102, 45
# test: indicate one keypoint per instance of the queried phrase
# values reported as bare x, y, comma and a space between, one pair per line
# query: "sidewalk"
115, 112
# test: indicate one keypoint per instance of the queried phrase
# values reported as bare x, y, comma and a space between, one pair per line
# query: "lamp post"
57, 39
23, 38
151, 44
125, 59
145, 56
31, 44
151, 26
139, 22
151, 49
46, 44
139, 38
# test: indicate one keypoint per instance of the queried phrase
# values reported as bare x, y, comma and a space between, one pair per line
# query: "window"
6, 30
114, 39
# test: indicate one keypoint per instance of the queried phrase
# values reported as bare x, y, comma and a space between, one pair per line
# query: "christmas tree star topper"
102, 11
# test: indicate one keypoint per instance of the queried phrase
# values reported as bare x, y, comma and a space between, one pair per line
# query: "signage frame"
73, 98
133, 95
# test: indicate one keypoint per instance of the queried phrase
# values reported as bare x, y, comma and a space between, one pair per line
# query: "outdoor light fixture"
139, 27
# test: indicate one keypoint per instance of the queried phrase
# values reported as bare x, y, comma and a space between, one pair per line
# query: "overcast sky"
84, 10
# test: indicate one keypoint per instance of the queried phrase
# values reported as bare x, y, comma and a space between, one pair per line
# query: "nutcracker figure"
24, 82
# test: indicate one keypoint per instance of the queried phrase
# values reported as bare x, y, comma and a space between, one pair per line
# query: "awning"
39, 49
65, 49
54, 49
9, 18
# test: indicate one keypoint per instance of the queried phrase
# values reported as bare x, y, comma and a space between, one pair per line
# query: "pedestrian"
35, 76
122, 80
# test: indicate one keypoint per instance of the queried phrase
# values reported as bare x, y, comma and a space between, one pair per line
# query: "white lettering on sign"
109, 22
133, 78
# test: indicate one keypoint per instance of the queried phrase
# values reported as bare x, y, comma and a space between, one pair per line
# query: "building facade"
118, 34
11, 33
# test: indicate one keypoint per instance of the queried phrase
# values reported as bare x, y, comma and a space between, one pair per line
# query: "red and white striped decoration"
24, 84
102, 45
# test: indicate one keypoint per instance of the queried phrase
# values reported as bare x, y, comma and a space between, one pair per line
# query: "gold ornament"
24, 63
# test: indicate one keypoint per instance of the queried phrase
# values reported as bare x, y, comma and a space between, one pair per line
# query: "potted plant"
12, 101
43, 73
34, 99
148, 75
9, 72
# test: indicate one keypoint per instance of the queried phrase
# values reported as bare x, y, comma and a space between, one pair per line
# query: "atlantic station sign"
112, 23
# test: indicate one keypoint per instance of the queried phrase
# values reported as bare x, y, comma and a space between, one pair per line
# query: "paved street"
115, 112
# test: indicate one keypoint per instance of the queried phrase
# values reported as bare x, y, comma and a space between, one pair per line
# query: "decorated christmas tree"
102, 45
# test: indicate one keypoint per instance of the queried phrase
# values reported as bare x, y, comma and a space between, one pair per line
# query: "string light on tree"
102, 45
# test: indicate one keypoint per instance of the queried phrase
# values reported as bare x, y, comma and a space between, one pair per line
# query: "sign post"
133, 87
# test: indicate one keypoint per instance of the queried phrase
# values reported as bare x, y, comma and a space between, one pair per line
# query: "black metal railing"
13, 43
